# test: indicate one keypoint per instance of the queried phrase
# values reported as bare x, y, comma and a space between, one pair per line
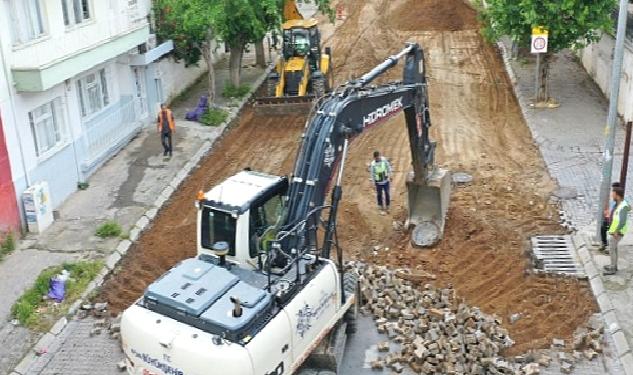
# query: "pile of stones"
431, 331
434, 332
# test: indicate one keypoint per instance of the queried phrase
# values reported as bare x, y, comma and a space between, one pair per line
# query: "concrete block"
584, 255
605, 303
621, 344
597, 286
72, 310
27, 362
151, 213
113, 260
142, 223
611, 321
123, 247
44, 343
59, 326
134, 233
158, 203
627, 363
167, 192
591, 270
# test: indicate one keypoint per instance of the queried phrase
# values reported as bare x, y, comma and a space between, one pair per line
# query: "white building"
78, 79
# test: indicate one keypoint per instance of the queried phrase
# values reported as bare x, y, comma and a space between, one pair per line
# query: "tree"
239, 22
189, 23
570, 23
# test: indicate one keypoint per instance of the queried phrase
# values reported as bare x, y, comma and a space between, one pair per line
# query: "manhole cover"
556, 254
425, 234
565, 192
461, 178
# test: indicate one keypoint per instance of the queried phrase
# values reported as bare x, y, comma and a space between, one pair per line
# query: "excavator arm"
291, 12
356, 106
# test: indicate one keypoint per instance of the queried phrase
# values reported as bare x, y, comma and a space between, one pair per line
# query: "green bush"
28, 309
214, 117
7, 244
232, 91
109, 229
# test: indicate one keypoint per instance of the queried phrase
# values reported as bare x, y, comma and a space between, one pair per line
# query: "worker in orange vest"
165, 125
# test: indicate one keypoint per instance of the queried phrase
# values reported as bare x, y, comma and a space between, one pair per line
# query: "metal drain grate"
556, 254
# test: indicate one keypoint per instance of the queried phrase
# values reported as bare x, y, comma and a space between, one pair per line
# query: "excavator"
303, 71
265, 293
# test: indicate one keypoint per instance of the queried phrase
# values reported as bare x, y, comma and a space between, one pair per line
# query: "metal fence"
107, 133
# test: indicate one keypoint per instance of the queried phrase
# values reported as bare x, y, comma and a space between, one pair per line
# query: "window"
93, 93
262, 221
47, 126
75, 11
217, 226
28, 21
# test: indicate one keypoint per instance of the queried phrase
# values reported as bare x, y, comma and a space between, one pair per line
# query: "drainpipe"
68, 87
7, 78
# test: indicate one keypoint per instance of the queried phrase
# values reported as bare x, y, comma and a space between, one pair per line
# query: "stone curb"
142, 223
625, 355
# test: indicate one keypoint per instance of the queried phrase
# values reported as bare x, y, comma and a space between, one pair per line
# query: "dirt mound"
436, 15
264, 144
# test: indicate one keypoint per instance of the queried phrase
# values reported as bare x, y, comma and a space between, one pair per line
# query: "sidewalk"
129, 187
571, 141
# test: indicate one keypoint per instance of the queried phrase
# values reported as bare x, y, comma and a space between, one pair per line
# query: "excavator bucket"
427, 205
283, 106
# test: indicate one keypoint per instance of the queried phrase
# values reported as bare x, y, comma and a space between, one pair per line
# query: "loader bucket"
427, 207
283, 106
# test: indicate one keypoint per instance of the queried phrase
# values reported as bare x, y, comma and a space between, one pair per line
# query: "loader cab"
242, 212
301, 38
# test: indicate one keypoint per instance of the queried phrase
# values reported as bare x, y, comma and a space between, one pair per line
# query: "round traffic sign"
539, 43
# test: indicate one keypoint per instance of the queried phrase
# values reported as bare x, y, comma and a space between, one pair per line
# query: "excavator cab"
241, 214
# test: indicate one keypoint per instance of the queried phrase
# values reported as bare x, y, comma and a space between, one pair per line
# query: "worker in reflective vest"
165, 125
617, 229
380, 171
606, 221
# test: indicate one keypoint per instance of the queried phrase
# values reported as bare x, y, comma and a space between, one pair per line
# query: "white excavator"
263, 295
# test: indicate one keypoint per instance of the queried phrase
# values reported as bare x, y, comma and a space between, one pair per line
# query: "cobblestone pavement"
74, 352
571, 140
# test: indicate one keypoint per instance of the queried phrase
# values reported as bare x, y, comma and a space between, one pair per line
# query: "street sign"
539, 39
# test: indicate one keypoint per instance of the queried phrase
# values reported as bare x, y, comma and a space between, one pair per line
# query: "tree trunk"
208, 58
235, 64
542, 94
260, 54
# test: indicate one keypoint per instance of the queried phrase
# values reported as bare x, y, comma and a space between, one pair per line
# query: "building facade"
80, 78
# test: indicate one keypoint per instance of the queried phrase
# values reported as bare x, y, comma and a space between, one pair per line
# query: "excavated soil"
479, 128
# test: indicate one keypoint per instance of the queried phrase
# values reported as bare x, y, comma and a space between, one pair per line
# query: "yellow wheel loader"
303, 71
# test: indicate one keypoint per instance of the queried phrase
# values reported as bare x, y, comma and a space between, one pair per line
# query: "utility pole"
625, 158
607, 166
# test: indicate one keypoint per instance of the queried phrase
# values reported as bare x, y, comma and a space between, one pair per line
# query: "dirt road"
479, 129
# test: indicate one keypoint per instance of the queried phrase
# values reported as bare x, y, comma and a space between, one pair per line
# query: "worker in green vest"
380, 172
617, 229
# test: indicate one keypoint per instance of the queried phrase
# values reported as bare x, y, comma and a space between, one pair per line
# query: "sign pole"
609, 130
538, 78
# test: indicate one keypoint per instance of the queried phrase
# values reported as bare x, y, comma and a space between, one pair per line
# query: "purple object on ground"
195, 115
56, 289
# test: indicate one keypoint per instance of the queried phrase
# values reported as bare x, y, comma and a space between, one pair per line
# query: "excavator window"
217, 226
262, 220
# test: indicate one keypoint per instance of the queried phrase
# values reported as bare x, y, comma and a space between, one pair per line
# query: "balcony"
66, 53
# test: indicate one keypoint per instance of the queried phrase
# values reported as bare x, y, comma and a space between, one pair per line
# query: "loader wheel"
318, 86
271, 86
350, 318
